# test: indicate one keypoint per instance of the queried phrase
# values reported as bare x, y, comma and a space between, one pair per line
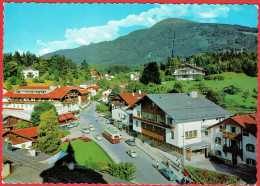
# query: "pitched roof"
94, 73
27, 68
34, 87
130, 99
193, 66
183, 107
247, 121
57, 93
27, 132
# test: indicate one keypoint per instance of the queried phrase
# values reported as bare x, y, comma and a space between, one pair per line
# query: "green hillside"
170, 37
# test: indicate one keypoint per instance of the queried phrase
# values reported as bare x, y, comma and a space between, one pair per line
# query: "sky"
42, 28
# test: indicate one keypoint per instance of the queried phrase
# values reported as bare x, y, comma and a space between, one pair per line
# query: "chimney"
133, 94
193, 94
140, 92
59, 86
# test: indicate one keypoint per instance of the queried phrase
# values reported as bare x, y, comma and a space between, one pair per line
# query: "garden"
87, 151
212, 177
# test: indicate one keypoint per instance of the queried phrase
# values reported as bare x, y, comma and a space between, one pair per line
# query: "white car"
132, 153
70, 126
85, 130
98, 137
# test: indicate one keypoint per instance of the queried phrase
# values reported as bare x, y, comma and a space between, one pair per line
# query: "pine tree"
116, 90
151, 74
49, 133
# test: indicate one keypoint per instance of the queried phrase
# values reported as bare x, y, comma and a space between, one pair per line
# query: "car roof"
168, 169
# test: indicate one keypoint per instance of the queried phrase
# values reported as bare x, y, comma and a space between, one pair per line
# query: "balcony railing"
153, 122
233, 150
232, 135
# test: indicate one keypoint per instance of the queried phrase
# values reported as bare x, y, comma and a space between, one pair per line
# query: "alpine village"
146, 108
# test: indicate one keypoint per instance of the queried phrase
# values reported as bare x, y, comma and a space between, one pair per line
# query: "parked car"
91, 127
98, 137
85, 130
168, 173
131, 142
74, 124
70, 126
132, 153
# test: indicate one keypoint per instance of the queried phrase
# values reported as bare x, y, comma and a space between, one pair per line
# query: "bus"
111, 135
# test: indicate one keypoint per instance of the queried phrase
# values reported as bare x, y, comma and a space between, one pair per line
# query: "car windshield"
116, 137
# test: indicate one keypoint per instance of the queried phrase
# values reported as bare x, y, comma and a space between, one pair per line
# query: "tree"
151, 74
85, 68
116, 90
9, 86
103, 84
216, 97
178, 88
125, 171
49, 133
39, 109
21, 125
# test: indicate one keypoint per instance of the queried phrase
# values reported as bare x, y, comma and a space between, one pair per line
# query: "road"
146, 173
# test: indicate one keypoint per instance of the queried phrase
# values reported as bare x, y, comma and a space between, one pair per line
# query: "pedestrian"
167, 163
157, 165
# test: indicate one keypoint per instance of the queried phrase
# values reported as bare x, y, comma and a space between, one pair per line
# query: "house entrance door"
234, 159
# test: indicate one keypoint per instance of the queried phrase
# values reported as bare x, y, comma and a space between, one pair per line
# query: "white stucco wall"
27, 145
251, 139
137, 128
118, 114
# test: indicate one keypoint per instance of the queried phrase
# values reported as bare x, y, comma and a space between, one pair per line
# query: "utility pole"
183, 149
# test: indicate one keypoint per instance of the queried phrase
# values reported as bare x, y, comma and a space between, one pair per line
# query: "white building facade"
30, 73
234, 140
188, 72
162, 120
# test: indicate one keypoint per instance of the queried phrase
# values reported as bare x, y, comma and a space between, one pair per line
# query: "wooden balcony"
232, 136
69, 101
154, 122
233, 150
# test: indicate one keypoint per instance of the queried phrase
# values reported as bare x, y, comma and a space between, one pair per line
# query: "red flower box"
66, 141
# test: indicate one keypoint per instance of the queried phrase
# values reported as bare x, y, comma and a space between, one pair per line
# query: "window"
144, 126
136, 123
172, 134
144, 115
206, 133
220, 127
218, 140
152, 105
233, 129
169, 121
218, 153
191, 134
245, 132
250, 148
250, 162
138, 113
153, 128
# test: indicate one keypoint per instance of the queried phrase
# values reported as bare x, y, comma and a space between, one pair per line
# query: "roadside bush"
231, 89
208, 77
41, 80
125, 171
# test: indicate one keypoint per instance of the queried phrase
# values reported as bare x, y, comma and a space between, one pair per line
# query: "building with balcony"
234, 140
65, 99
30, 73
120, 104
105, 95
188, 71
172, 121
95, 75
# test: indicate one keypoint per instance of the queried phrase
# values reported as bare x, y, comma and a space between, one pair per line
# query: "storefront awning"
197, 146
69, 115
62, 118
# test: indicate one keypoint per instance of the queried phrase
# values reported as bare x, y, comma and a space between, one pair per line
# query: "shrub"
21, 125
41, 80
208, 77
64, 132
35, 80
170, 78
199, 78
231, 89
13, 80
102, 107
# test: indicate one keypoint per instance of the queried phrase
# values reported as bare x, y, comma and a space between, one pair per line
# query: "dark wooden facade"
118, 101
16, 138
153, 131
10, 122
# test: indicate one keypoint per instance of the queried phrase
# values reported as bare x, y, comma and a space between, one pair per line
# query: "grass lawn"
240, 80
85, 151
213, 177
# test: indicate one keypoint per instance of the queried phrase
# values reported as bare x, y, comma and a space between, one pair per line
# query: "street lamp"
183, 149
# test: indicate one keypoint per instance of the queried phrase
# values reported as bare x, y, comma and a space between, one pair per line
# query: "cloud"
20, 51
75, 37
